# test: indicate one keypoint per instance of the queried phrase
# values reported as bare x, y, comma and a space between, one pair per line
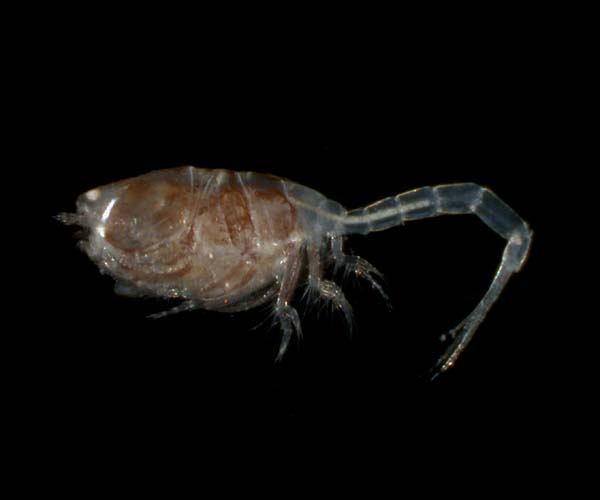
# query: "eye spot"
93, 194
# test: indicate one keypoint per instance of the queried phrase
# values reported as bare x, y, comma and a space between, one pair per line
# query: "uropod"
230, 241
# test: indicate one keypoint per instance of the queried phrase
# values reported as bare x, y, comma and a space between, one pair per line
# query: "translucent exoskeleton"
230, 241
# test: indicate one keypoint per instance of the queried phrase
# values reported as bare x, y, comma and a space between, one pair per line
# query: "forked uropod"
230, 241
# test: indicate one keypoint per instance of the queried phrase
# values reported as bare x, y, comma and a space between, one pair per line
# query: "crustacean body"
229, 241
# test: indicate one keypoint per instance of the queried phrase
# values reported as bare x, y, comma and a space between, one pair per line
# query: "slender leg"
188, 305
353, 264
453, 199
324, 288
284, 313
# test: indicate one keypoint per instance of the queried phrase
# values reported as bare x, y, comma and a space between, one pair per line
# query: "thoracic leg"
188, 305
284, 313
326, 289
353, 264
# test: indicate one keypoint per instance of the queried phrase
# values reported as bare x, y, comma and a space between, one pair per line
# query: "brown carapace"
230, 241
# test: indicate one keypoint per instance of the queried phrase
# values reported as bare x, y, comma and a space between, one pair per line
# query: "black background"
356, 126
